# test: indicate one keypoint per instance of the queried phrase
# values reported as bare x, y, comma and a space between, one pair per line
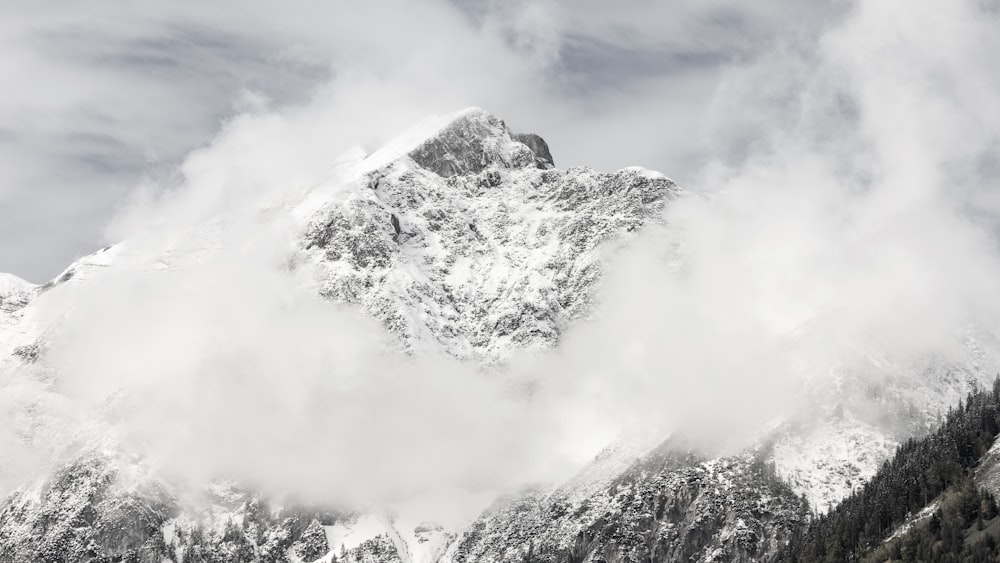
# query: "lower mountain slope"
672, 505
934, 478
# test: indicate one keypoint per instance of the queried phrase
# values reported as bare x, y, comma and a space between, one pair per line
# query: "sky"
104, 99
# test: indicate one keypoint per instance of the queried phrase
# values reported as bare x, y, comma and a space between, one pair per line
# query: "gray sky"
99, 99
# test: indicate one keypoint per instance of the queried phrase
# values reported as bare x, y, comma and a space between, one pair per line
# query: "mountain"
461, 239
933, 501
15, 294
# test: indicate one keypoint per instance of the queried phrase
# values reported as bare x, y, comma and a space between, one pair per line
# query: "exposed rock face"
15, 294
88, 511
85, 512
474, 142
669, 506
538, 146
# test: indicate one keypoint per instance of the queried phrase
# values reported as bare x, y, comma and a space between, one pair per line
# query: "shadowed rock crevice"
537, 146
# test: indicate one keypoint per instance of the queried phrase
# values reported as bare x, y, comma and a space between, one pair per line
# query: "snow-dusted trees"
938, 467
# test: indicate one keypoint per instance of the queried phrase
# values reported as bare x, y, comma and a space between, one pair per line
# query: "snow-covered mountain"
15, 294
461, 239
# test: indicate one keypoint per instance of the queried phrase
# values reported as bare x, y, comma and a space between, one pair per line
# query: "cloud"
850, 232
289, 394
98, 98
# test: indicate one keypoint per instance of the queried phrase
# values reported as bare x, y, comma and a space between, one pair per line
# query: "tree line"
938, 467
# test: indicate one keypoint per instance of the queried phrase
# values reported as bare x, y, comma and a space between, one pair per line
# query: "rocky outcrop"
538, 146
15, 294
85, 512
670, 506
475, 141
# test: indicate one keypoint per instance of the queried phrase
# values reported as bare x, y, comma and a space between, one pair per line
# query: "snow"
349, 159
646, 173
168, 530
15, 294
349, 536
988, 472
831, 460
905, 527
411, 139
11, 284
610, 462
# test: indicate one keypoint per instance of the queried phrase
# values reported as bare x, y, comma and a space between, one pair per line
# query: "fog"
846, 195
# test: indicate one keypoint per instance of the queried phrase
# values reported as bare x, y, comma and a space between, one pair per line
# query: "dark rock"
82, 511
461, 147
28, 353
491, 179
538, 146
672, 505
356, 238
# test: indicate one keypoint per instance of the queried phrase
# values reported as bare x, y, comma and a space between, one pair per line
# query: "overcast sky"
102, 97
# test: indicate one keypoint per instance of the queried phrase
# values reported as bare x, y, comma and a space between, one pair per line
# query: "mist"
845, 197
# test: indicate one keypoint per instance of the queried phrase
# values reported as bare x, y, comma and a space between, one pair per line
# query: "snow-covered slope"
15, 294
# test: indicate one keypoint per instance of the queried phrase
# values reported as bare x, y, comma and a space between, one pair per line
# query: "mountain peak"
474, 139
9, 283
467, 141
15, 293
